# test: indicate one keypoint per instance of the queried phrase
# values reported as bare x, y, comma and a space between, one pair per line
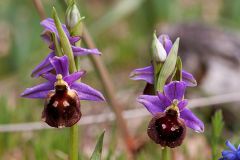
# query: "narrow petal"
86, 92
51, 46
79, 51
46, 36
44, 66
231, 146
60, 64
49, 25
70, 79
182, 104
165, 102
73, 40
166, 42
49, 76
145, 74
175, 90
39, 91
188, 79
152, 103
191, 120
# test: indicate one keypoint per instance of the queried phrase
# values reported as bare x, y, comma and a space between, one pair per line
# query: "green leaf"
98, 149
58, 50
217, 126
65, 44
177, 74
168, 66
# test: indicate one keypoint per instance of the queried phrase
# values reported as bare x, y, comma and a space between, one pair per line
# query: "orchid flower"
49, 27
170, 115
147, 73
62, 94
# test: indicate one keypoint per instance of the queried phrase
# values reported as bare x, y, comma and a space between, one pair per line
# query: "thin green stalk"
74, 137
165, 153
217, 127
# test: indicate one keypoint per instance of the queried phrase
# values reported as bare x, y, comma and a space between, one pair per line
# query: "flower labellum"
167, 129
62, 106
159, 53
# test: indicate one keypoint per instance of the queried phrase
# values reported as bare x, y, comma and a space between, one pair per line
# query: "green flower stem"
74, 141
217, 127
67, 50
165, 153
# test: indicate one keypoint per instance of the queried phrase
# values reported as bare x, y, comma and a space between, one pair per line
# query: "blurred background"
122, 31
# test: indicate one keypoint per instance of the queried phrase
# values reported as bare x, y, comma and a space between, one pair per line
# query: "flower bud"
159, 53
72, 16
166, 42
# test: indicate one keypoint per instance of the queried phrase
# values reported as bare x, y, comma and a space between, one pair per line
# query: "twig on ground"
128, 114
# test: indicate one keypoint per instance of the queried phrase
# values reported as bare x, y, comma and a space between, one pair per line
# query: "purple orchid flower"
147, 73
49, 26
232, 154
60, 64
170, 115
62, 94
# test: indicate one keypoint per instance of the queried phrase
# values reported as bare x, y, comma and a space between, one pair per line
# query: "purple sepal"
60, 65
188, 79
145, 74
49, 25
154, 104
175, 90
73, 40
79, 51
49, 76
70, 79
44, 67
191, 120
85, 92
38, 91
